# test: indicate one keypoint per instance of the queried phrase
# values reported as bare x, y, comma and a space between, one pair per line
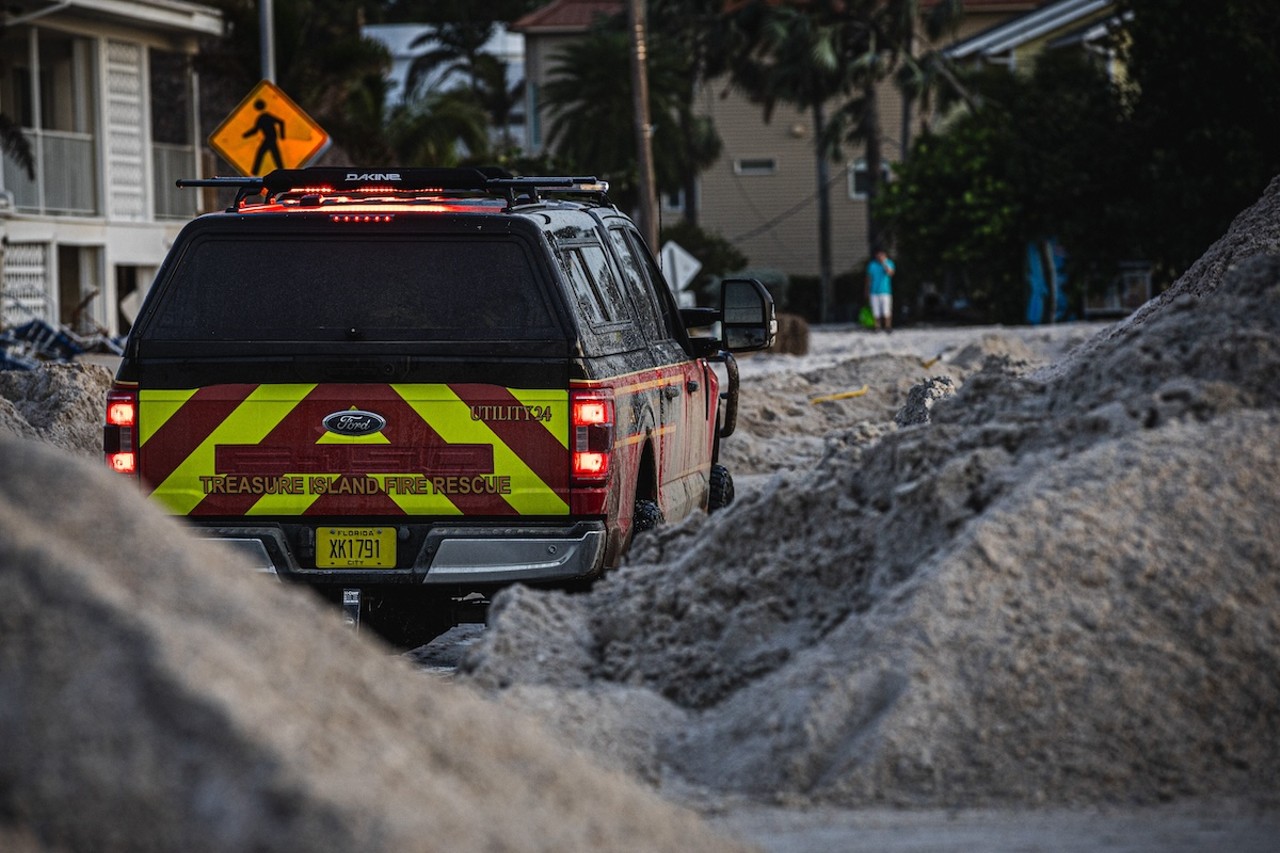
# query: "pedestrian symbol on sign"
270, 127
268, 131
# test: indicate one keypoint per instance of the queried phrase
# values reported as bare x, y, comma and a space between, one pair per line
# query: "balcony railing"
66, 180
66, 177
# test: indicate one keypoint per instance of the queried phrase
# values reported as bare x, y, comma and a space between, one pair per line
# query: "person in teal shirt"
880, 289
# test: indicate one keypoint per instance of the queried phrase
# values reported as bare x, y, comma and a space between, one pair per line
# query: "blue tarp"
1038, 280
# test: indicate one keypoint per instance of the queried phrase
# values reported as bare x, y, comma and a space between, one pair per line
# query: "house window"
755, 166
859, 178
169, 75
47, 85
673, 201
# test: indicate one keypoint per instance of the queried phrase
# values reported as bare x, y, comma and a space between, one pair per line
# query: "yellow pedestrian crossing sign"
268, 131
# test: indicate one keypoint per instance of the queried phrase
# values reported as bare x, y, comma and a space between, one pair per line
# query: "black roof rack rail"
529, 190
490, 180
245, 187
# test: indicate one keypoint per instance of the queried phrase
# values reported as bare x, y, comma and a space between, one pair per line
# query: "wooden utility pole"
647, 217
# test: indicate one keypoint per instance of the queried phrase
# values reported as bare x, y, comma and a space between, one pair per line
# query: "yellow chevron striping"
249, 423
451, 418
557, 401
156, 407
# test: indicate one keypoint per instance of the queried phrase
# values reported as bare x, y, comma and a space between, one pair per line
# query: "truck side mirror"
747, 317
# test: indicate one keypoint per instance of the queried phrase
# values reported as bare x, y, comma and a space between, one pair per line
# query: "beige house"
104, 92
761, 194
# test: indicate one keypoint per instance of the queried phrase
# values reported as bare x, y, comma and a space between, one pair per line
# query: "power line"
786, 214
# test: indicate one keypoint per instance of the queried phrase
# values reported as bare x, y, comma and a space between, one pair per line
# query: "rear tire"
647, 516
720, 493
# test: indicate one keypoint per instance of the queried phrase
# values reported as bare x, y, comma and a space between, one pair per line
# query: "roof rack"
530, 190
488, 180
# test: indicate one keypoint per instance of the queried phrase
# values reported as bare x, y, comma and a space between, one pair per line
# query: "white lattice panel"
126, 189
26, 290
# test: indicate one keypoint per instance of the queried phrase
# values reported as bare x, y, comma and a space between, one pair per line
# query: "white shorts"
881, 305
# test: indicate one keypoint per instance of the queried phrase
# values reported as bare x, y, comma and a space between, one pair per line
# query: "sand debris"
1060, 586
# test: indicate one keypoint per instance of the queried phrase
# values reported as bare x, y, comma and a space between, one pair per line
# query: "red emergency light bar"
399, 183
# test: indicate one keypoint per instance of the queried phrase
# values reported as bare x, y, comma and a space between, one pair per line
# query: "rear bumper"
453, 555
462, 556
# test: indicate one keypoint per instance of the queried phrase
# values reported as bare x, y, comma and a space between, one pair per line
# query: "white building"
104, 91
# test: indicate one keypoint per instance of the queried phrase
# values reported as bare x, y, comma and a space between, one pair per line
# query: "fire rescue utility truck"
409, 387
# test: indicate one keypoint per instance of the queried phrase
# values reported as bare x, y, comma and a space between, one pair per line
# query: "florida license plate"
356, 548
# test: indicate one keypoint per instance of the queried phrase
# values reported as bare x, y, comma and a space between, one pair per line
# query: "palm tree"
456, 50
361, 123
592, 124
13, 143
438, 129
887, 35
589, 101
924, 70
494, 95
806, 57
692, 31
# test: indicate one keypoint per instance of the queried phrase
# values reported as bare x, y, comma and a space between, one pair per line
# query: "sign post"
268, 131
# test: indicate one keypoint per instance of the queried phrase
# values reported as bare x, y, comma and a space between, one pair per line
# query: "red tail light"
119, 431
591, 443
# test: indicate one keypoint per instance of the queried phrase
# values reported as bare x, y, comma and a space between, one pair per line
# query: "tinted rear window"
305, 288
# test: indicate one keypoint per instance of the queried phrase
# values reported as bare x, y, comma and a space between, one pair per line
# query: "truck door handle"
671, 391
691, 385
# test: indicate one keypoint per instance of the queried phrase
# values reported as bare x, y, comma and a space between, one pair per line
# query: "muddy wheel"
720, 494
648, 515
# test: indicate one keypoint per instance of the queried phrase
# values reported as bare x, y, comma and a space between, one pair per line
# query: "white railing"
173, 162
66, 167
66, 180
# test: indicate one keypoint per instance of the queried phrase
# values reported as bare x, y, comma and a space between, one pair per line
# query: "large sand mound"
1062, 588
61, 404
155, 695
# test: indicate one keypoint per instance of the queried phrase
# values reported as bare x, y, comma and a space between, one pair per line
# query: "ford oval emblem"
354, 422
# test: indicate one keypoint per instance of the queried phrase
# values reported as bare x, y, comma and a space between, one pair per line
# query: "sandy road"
1180, 828
1168, 829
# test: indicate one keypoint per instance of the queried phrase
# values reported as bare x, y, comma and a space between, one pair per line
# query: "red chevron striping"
343, 505
528, 439
178, 437
303, 427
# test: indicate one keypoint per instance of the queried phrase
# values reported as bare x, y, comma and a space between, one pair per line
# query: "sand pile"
788, 420
61, 404
155, 695
1063, 587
